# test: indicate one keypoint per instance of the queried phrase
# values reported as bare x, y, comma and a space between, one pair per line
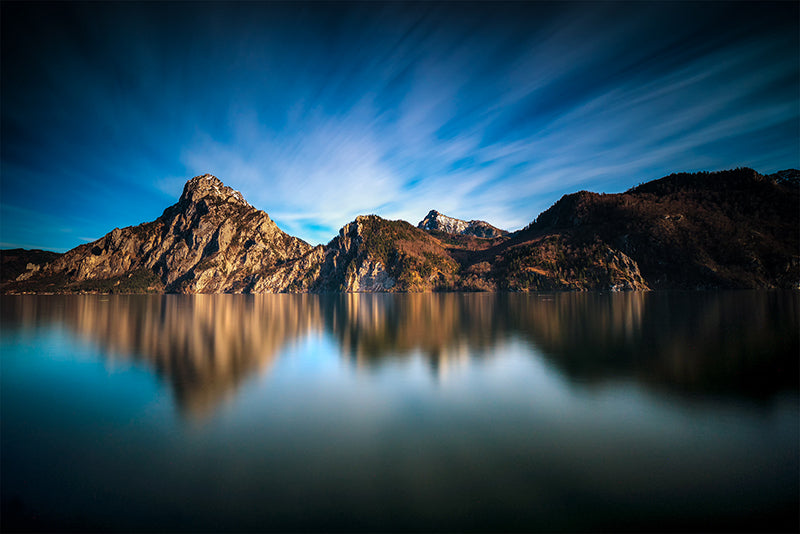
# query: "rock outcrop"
442, 223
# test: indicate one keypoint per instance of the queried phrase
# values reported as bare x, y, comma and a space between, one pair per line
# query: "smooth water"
443, 412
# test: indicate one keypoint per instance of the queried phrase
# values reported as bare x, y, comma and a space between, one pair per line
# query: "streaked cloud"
322, 112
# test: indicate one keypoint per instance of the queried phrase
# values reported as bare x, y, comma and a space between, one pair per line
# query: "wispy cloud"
467, 136
319, 115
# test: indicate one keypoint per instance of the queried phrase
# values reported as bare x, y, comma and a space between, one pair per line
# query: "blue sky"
320, 112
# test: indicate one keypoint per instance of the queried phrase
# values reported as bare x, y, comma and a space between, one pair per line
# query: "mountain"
210, 241
438, 222
369, 254
17, 262
728, 229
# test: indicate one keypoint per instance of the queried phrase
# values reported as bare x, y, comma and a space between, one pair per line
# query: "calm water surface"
543, 412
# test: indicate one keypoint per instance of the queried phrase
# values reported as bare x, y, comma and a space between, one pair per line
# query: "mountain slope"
18, 262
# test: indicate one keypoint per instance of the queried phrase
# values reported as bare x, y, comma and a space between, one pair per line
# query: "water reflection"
204, 346
729, 342
743, 343
445, 329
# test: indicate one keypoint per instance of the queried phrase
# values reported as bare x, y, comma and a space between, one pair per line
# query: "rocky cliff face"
211, 241
442, 223
370, 254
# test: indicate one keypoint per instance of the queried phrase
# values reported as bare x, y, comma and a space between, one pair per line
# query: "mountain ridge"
450, 225
732, 228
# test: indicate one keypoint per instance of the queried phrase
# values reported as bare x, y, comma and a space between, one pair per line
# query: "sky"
319, 112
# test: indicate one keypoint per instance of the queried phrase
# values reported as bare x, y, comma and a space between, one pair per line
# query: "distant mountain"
729, 229
16, 262
442, 223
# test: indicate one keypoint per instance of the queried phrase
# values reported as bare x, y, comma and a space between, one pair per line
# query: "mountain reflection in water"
206, 346
434, 412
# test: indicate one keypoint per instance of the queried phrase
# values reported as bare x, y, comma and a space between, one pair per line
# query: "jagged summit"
209, 185
433, 214
438, 221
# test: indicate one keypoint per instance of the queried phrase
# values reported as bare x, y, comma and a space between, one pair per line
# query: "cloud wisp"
319, 113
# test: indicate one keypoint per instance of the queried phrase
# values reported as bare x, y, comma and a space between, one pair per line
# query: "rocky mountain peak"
210, 241
207, 185
442, 223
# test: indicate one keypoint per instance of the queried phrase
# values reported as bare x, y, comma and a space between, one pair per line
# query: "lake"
433, 412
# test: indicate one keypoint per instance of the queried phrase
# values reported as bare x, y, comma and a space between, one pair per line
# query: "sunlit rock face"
370, 254
296, 276
210, 241
438, 221
350, 262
